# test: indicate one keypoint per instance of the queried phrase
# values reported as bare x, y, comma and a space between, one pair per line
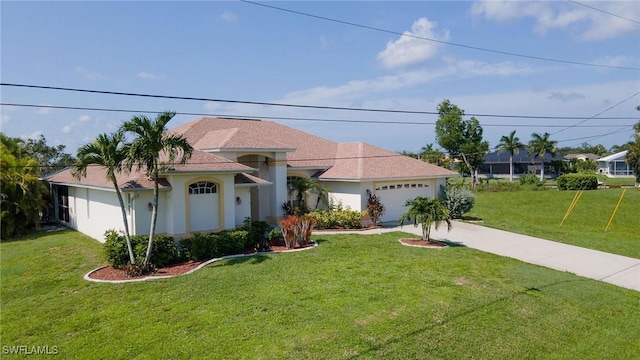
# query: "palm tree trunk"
511, 168
126, 224
542, 171
154, 217
426, 230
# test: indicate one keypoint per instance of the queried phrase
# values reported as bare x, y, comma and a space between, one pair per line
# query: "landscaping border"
87, 276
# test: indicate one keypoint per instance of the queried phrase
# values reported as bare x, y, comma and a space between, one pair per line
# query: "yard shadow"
36, 234
248, 259
528, 291
451, 243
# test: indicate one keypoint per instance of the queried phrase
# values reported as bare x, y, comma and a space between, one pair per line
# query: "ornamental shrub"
337, 219
164, 252
458, 200
530, 179
577, 182
209, 246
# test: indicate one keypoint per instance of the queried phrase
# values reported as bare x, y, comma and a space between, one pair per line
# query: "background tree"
50, 158
633, 156
109, 152
150, 142
540, 145
511, 144
461, 138
434, 156
22, 194
426, 211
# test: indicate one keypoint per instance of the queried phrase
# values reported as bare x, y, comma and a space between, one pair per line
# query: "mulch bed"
109, 273
423, 243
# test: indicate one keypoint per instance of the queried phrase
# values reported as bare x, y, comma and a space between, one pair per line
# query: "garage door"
203, 206
395, 195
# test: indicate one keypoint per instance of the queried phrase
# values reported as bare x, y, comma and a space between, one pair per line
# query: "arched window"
202, 187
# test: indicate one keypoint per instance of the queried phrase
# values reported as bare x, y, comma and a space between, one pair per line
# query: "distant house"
614, 165
583, 157
240, 168
497, 165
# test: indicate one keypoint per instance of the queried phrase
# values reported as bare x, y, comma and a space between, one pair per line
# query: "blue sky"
241, 51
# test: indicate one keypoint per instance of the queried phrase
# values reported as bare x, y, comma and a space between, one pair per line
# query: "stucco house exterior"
615, 165
240, 169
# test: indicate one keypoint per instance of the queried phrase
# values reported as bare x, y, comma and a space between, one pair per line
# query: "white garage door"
203, 206
395, 195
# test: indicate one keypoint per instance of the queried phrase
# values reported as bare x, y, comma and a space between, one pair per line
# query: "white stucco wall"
243, 209
94, 211
351, 194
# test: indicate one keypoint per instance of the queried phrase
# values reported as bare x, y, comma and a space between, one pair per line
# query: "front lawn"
539, 213
354, 296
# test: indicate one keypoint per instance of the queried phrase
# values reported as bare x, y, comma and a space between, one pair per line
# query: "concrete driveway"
614, 269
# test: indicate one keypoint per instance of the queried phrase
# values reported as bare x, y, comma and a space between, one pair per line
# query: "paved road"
614, 269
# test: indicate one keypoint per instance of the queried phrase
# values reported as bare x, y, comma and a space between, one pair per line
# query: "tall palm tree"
511, 144
108, 151
149, 143
540, 145
426, 211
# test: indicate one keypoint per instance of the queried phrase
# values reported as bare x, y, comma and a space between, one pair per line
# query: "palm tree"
540, 145
301, 186
511, 144
149, 143
110, 152
426, 211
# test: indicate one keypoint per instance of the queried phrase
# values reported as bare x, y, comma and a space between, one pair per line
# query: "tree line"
463, 147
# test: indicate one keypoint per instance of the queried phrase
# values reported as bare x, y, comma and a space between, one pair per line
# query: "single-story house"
240, 168
582, 157
615, 165
497, 165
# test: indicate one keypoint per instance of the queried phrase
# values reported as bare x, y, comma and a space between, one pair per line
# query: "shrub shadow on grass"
245, 259
451, 243
36, 234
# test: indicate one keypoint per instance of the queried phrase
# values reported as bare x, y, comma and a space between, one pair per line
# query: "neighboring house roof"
360, 161
615, 157
137, 179
521, 157
341, 161
582, 156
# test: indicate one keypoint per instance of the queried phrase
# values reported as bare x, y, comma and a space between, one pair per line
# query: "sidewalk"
614, 269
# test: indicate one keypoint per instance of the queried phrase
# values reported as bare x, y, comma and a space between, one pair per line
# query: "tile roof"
136, 179
343, 161
359, 161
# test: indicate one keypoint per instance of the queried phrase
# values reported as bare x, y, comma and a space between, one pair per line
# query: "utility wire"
440, 41
291, 105
255, 117
600, 113
604, 12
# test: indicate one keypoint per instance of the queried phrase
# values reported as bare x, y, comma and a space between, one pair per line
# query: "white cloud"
44, 110
34, 135
4, 119
84, 118
67, 129
228, 17
565, 97
211, 106
408, 49
149, 76
88, 74
589, 24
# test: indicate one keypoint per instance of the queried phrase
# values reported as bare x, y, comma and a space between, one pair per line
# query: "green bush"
208, 246
163, 253
530, 179
499, 186
458, 200
337, 218
577, 182
257, 232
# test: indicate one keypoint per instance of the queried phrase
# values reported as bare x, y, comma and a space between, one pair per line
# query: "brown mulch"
109, 273
424, 243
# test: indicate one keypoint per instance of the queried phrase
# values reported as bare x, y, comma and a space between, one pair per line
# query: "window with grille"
202, 187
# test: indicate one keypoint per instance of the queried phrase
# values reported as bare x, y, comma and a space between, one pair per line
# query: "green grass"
539, 213
353, 297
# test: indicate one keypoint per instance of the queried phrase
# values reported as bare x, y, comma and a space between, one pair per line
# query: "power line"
173, 97
255, 117
600, 113
440, 41
604, 12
